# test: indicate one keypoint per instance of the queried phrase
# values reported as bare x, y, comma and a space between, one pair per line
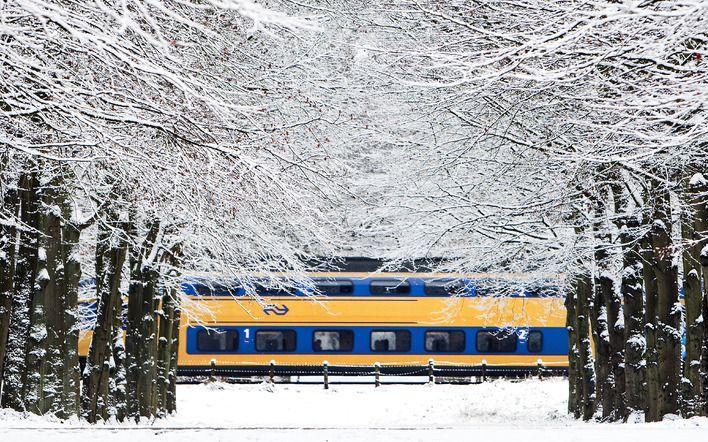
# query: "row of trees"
570, 139
139, 141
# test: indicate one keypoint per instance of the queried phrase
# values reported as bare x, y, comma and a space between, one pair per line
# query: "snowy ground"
504, 411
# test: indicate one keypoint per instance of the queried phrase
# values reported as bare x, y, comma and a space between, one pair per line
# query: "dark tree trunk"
167, 340
704, 355
72, 277
573, 354
8, 234
600, 334
668, 306
635, 340
692, 227
110, 257
651, 294
15, 374
586, 365
44, 352
171, 405
117, 386
141, 345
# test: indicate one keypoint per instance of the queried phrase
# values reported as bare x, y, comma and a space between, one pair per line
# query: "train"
355, 322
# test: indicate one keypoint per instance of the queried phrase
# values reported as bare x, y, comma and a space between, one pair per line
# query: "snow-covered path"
505, 411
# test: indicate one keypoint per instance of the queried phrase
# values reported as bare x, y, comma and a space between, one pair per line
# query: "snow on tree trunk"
573, 354
652, 359
692, 227
110, 257
668, 306
169, 313
44, 382
15, 375
141, 342
171, 402
585, 357
8, 232
704, 355
635, 341
70, 350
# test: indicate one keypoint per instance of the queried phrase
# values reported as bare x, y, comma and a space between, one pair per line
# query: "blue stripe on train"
555, 340
361, 287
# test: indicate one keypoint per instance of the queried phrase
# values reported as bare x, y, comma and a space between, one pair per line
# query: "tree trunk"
171, 405
704, 355
585, 359
72, 276
166, 342
692, 227
8, 234
601, 338
44, 351
635, 340
573, 353
110, 257
141, 345
117, 386
14, 380
668, 306
651, 293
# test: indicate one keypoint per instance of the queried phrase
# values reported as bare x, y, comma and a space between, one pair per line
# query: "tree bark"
632, 377
141, 345
15, 370
668, 306
72, 276
110, 257
692, 227
586, 365
44, 352
651, 293
573, 353
167, 340
635, 340
8, 234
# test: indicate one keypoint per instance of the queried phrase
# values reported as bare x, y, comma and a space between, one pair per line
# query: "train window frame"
263, 289
208, 290
430, 287
349, 284
226, 332
494, 334
398, 330
396, 284
449, 332
538, 333
341, 331
284, 331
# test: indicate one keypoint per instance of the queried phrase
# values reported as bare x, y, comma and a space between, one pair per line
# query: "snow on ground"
495, 411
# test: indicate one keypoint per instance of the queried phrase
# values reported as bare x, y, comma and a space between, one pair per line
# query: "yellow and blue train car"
356, 320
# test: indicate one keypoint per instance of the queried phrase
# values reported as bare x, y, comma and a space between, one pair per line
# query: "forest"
142, 141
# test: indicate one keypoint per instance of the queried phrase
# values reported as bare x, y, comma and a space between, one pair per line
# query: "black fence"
437, 373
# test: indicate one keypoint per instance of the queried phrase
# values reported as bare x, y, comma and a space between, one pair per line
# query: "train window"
445, 341
269, 290
215, 290
338, 287
534, 343
210, 340
497, 341
390, 340
333, 340
444, 288
275, 340
390, 287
